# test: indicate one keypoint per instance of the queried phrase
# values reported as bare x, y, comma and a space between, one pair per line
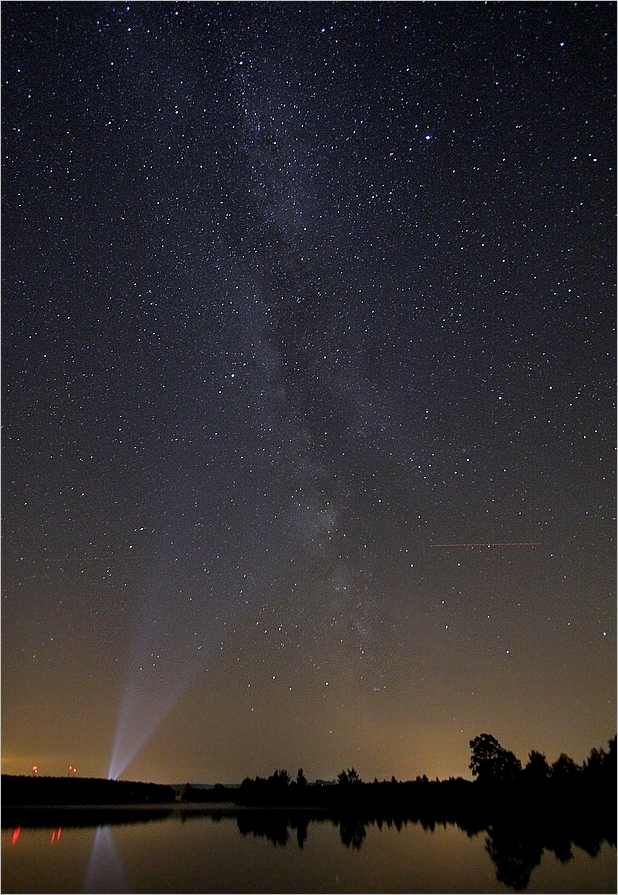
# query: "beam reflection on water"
105, 872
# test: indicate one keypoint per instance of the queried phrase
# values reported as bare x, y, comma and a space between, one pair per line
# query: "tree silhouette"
564, 769
348, 777
537, 771
595, 762
600, 767
280, 779
490, 762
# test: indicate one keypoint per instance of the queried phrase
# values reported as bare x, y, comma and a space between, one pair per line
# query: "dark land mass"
47, 791
578, 802
523, 811
563, 789
519, 824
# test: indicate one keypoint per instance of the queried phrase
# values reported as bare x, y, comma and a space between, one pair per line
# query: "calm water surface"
206, 853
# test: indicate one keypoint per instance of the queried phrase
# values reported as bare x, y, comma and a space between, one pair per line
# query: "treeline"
499, 779
350, 793
42, 791
493, 766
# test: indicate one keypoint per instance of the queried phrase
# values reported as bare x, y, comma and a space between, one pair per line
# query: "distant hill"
178, 787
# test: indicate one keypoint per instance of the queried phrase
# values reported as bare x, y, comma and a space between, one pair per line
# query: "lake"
186, 850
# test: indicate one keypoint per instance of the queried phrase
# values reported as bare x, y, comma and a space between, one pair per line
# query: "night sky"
296, 297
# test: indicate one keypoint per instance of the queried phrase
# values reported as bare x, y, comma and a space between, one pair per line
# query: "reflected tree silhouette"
514, 843
352, 831
301, 830
561, 847
515, 855
272, 825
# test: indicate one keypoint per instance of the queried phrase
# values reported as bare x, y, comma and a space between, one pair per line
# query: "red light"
15, 836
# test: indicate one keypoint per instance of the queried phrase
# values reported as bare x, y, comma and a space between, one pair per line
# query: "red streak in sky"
495, 544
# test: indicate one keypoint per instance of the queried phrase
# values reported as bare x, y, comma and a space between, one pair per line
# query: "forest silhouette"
524, 810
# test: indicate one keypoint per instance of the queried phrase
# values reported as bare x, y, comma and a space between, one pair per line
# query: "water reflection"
187, 848
352, 831
105, 873
275, 826
516, 848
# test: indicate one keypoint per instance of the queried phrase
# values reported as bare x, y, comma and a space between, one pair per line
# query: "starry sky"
299, 300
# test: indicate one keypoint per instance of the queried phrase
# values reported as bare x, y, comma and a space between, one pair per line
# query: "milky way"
292, 296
